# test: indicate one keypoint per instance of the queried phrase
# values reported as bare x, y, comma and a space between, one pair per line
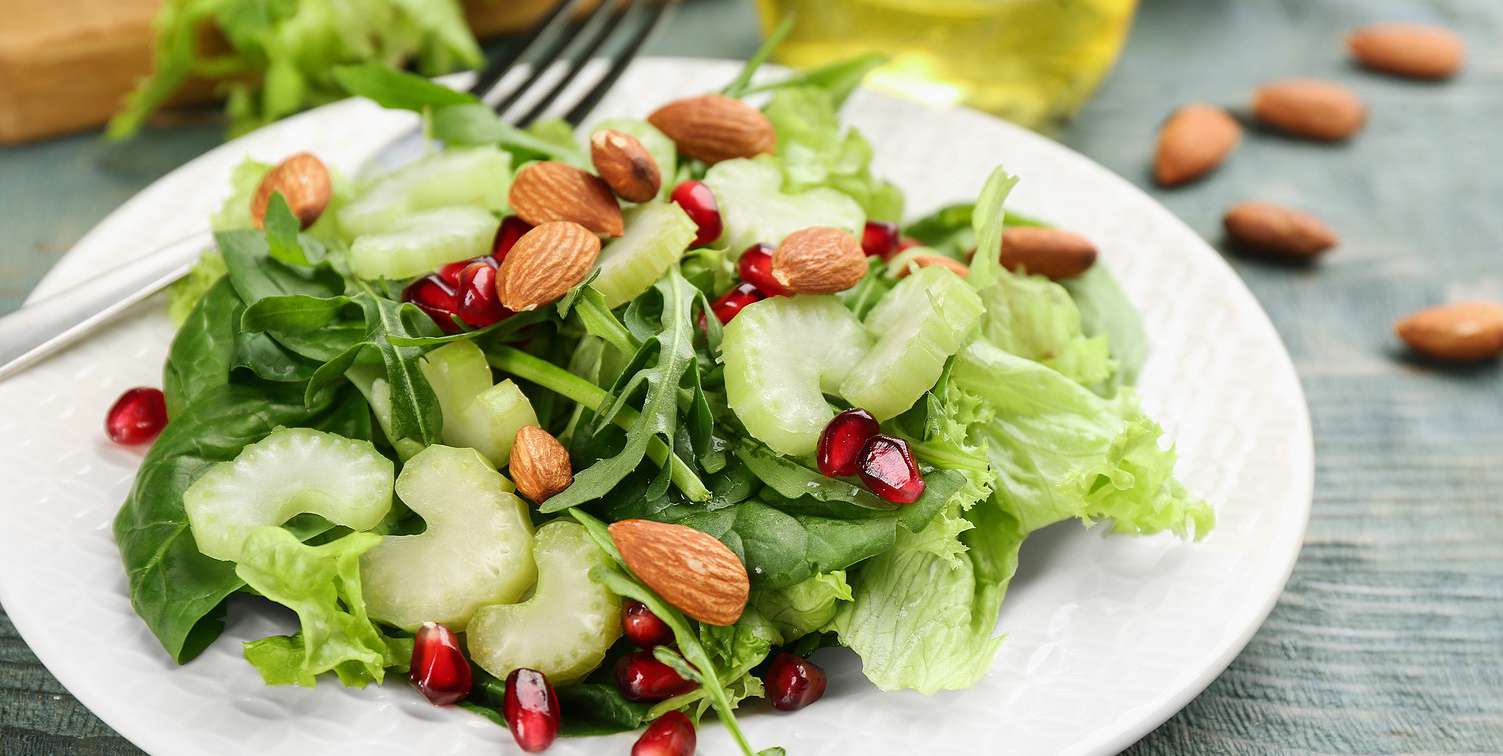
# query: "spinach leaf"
256, 275
395, 89
262, 355
673, 349
203, 351
281, 232
293, 313
176, 590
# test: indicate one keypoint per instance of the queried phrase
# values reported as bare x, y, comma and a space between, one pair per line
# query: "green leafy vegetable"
321, 584
203, 351
987, 220
1106, 312
839, 79
185, 292
804, 607
283, 56
1034, 317
814, 150
473, 123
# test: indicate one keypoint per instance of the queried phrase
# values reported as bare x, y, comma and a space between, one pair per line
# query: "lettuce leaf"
321, 584
1106, 312
1059, 451
804, 607
924, 612
1034, 317
282, 55
814, 150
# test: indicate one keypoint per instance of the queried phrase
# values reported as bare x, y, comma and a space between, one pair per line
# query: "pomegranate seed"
888, 469
641, 677
670, 735
755, 267
734, 301
793, 682
137, 416
511, 230
479, 302
642, 627
531, 709
699, 202
439, 669
879, 239
841, 442
450, 272
434, 296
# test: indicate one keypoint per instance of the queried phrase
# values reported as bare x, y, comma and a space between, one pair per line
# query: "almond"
940, 261
687, 567
1413, 50
1310, 108
1279, 231
1194, 140
1050, 252
625, 165
713, 128
1460, 332
546, 192
545, 264
303, 182
539, 464
818, 260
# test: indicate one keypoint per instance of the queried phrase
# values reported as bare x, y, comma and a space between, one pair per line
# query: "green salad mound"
336, 449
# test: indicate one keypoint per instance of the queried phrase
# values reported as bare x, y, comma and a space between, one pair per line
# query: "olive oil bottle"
1031, 61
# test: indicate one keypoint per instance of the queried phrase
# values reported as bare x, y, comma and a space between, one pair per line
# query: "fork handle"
46, 325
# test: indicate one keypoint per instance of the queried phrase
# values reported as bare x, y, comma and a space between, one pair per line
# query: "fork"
42, 327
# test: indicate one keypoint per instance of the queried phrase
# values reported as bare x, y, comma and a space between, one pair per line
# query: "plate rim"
116, 714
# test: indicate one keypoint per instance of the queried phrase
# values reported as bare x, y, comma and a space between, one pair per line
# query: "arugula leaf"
176, 590
793, 480
395, 89
415, 412
839, 79
475, 123
741, 85
203, 351
673, 348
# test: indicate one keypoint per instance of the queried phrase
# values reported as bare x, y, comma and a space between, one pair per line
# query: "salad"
590, 433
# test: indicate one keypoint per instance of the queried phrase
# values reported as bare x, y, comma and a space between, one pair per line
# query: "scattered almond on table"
1193, 142
1415, 51
1310, 108
1277, 231
1459, 332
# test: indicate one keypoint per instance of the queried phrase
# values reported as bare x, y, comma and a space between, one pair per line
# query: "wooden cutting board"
66, 64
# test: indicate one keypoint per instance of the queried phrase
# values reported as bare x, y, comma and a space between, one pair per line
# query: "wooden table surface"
1389, 637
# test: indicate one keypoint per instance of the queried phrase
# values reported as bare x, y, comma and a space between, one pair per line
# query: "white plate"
1107, 636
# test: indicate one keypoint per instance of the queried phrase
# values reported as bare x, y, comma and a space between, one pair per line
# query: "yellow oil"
1031, 61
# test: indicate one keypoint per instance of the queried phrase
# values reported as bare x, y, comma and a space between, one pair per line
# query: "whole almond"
1194, 140
936, 261
303, 182
540, 465
547, 192
687, 567
713, 128
545, 264
818, 260
1310, 108
625, 165
1460, 332
1050, 252
1413, 50
1279, 231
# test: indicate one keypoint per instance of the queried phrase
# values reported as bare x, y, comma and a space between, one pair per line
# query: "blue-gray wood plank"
1389, 637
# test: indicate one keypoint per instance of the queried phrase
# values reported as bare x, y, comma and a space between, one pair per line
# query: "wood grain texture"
1389, 637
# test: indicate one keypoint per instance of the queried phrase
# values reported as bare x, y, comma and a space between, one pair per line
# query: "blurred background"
1389, 637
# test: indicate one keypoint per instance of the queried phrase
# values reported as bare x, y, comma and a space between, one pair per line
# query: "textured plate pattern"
1107, 636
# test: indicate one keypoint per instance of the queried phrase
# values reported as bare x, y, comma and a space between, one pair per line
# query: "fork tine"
545, 60
496, 69
624, 57
580, 60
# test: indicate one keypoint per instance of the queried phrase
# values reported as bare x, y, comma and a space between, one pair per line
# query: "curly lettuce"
814, 151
